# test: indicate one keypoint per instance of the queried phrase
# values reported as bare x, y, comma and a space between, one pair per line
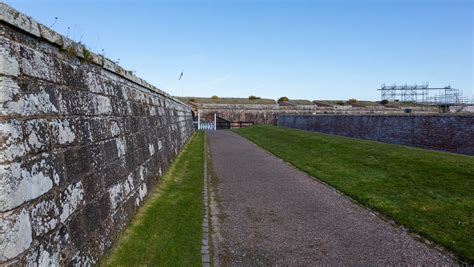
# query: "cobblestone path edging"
210, 223
205, 251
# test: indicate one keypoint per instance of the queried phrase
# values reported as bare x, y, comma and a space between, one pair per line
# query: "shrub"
340, 103
352, 101
191, 100
283, 99
252, 97
214, 97
384, 102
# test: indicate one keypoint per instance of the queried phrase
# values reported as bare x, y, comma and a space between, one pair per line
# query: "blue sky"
301, 49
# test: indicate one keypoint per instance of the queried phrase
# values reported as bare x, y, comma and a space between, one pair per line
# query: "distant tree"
352, 101
191, 100
214, 97
384, 102
340, 103
283, 99
252, 97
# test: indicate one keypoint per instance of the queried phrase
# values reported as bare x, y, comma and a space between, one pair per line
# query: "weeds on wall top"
87, 55
70, 51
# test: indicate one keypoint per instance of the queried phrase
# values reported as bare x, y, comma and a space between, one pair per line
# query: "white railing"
206, 126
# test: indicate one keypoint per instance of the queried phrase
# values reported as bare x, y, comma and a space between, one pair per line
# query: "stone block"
76, 164
44, 215
17, 19
74, 76
82, 126
98, 128
93, 185
109, 64
77, 103
15, 233
111, 150
50, 35
8, 63
114, 171
38, 136
12, 147
104, 106
27, 180
39, 65
26, 97
70, 200
140, 139
9, 91
63, 132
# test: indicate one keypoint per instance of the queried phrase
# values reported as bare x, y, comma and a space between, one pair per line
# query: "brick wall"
453, 133
82, 143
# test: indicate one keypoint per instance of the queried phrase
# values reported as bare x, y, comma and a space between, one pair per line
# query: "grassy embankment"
167, 228
431, 193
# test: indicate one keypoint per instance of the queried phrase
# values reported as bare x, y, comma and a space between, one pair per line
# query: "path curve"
273, 214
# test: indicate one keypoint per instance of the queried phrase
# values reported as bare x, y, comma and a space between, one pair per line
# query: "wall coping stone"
389, 115
27, 24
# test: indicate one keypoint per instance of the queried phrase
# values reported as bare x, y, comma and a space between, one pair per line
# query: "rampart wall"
82, 144
453, 133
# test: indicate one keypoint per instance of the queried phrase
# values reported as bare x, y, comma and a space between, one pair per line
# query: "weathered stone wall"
462, 108
268, 114
454, 133
256, 113
82, 142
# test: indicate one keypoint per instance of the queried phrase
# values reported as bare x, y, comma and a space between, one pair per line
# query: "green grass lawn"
167, 229
431, 193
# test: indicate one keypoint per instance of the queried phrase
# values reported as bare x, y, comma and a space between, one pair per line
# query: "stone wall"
268, 113
462, 108
453, 133
256, 113
82, 143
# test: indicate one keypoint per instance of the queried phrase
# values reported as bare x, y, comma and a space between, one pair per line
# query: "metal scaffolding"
424, 94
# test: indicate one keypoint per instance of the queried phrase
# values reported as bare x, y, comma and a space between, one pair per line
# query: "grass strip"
167, 231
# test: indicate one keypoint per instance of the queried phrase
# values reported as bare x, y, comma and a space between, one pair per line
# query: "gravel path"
273, 214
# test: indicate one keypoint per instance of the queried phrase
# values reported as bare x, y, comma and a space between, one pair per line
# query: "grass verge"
429, 192
167, 229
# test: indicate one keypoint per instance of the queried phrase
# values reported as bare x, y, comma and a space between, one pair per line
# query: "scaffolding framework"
424, 94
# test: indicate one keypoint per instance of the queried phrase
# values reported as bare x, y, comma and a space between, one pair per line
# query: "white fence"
206, 125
